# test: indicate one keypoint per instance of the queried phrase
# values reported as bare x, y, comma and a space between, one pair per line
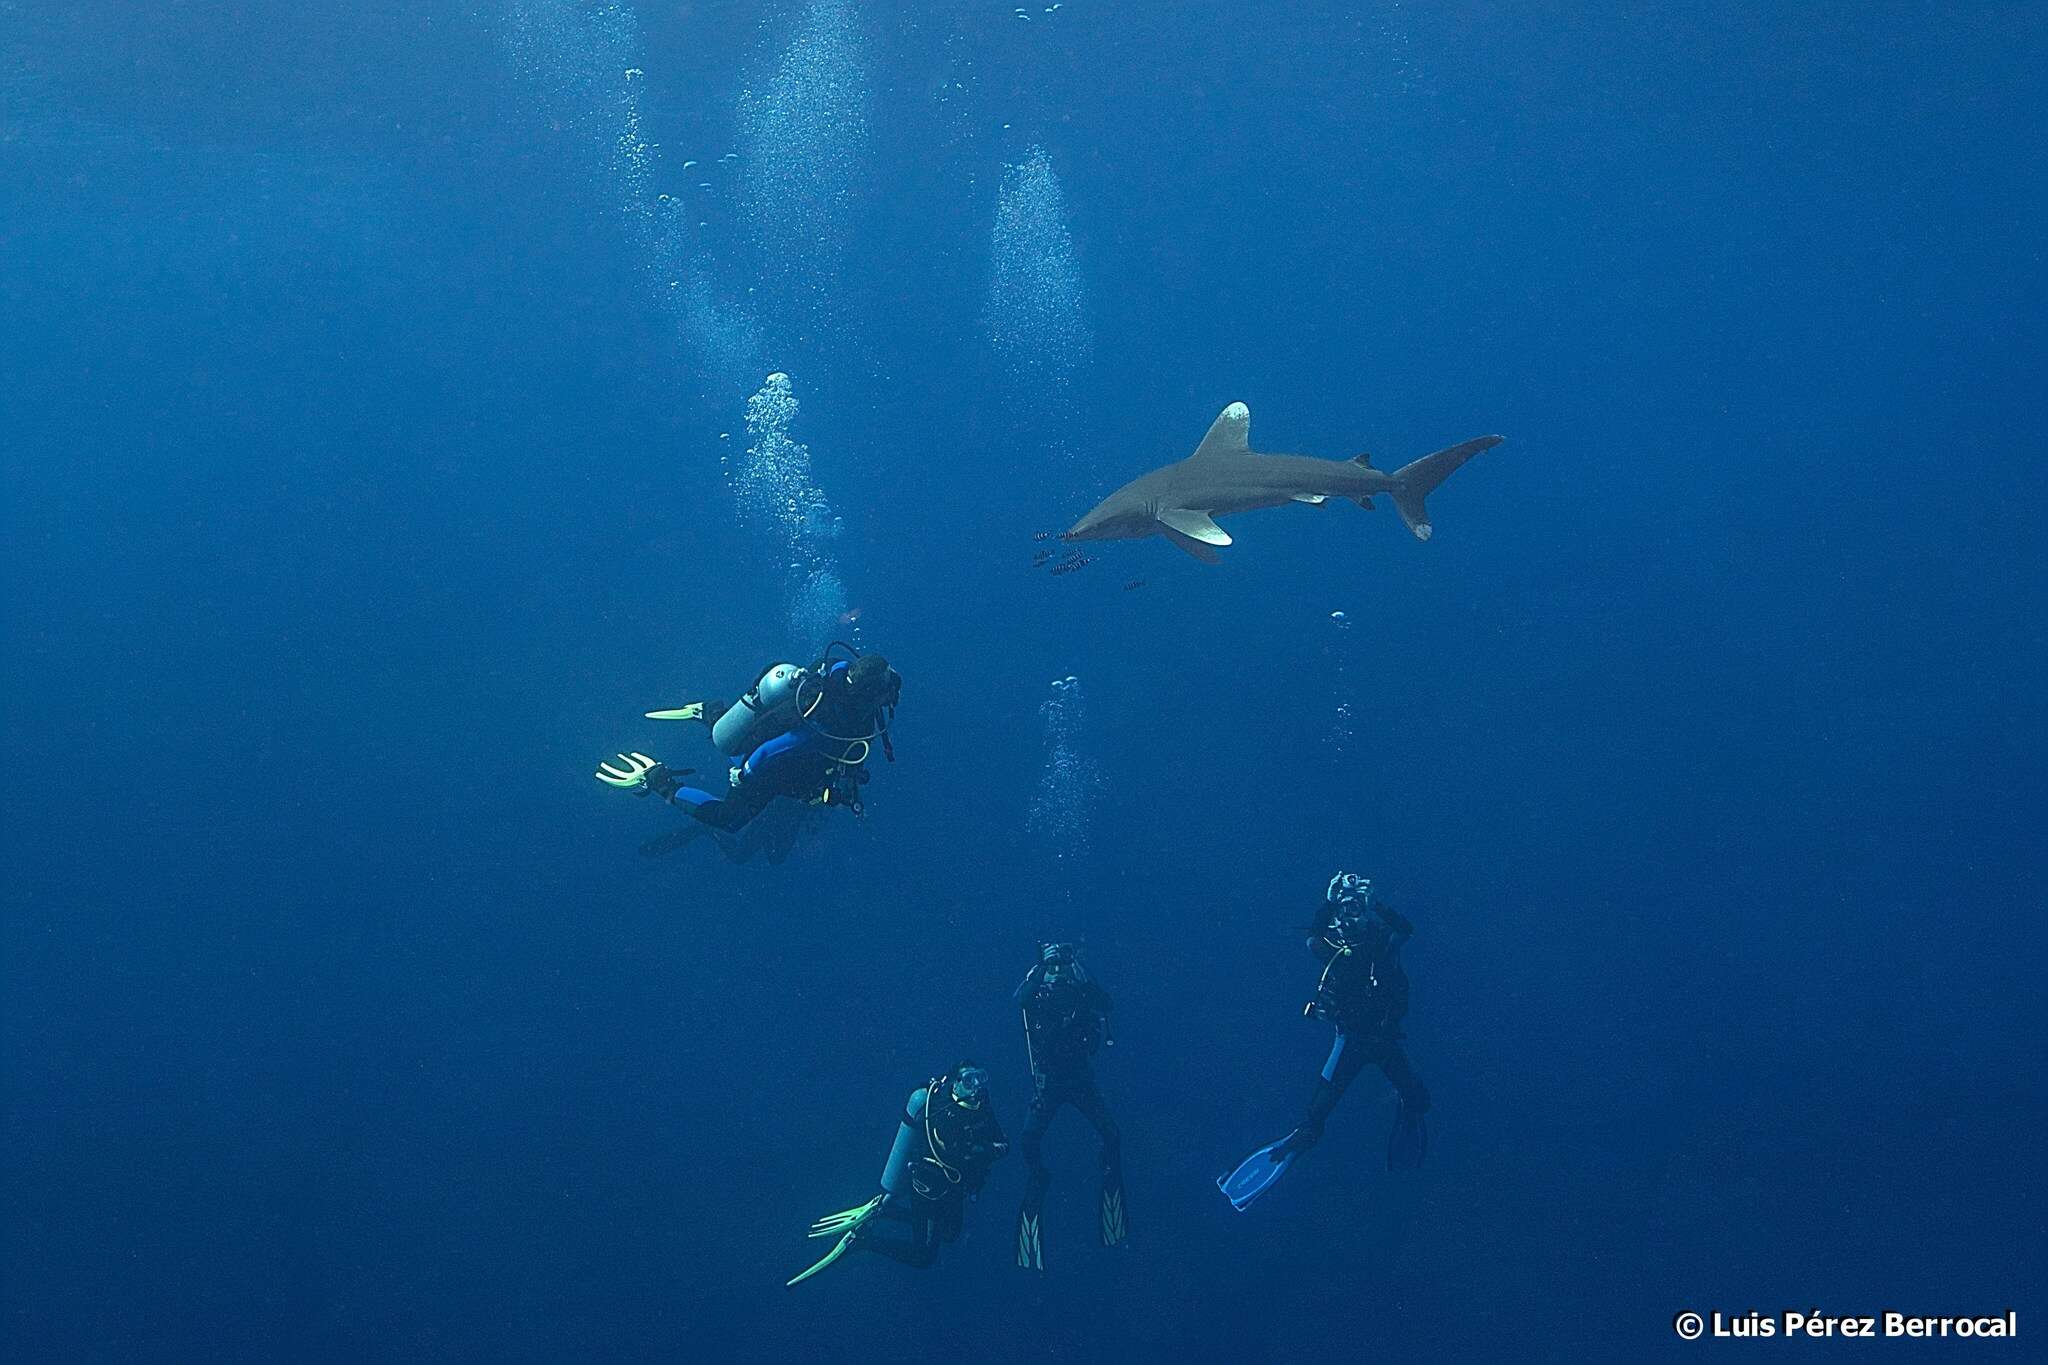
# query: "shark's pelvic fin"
1195, 525
1312, 499
1414, 480
1230, 434
1190, 545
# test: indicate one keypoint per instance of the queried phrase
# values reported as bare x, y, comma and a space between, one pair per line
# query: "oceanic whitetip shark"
1225, 475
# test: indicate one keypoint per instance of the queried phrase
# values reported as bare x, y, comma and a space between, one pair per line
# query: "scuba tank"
762, 712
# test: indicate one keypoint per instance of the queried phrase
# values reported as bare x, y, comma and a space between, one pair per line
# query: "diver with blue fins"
803, 734
1066, 1019
1363, 992
946, 1142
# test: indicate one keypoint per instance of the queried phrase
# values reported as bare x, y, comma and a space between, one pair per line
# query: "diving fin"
1257, 1172
1408, 1144
1030, 1251
1114, 1228
693, 711
825, 1263
846, 1222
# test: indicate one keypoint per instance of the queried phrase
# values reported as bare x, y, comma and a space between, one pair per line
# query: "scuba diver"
1066, 1018
801, 733
944, 1146
1364, 993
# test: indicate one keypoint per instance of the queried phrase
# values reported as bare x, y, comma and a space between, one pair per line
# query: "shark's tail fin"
1416, 480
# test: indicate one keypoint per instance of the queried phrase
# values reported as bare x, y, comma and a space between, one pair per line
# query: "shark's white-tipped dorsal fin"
1312, 499
1230, 434
1194, 525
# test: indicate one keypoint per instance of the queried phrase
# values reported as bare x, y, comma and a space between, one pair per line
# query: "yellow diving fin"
834, 1254
847, 1223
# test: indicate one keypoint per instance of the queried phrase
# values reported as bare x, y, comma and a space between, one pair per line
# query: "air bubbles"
1036, 316
570, 54
805, 134
773, 486
1069, 780
1337, 649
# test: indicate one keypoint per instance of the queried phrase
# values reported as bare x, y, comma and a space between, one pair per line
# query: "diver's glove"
639, 774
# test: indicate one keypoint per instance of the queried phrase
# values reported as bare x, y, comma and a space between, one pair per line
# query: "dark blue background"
358, 498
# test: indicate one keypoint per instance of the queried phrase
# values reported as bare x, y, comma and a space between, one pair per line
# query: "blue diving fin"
1257, 1172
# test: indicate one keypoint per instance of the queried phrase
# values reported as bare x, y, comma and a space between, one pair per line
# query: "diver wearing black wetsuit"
1364, 993
946, 1142
1066, 1018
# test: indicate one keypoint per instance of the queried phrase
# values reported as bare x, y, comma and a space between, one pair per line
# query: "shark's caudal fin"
1414, 481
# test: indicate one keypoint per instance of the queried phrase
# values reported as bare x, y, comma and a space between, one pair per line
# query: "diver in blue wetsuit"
1363, 991
802, 734
945, 1143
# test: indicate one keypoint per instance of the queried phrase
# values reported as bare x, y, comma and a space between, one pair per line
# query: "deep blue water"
364, 483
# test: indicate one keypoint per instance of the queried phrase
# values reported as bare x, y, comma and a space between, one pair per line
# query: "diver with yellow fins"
946, 1142
799, 733
1066, 1018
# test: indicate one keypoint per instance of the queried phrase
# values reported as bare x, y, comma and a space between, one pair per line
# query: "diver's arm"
895, 1175
1098, 999
1399, 927
992, 1141
1028, 987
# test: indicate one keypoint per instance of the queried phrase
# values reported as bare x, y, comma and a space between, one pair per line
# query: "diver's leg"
1347, 1058
728, 812
1114, 1223
1045, 1102
918, 1250
1408, 1143
784, 766
1037, 1179
1088, 1100
1414, 1094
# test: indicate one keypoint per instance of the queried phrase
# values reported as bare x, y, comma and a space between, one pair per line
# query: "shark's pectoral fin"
1194, 524
1312, 499
1230, 434
1190, 545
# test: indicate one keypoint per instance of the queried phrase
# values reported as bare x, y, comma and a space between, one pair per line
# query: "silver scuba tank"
767, 708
